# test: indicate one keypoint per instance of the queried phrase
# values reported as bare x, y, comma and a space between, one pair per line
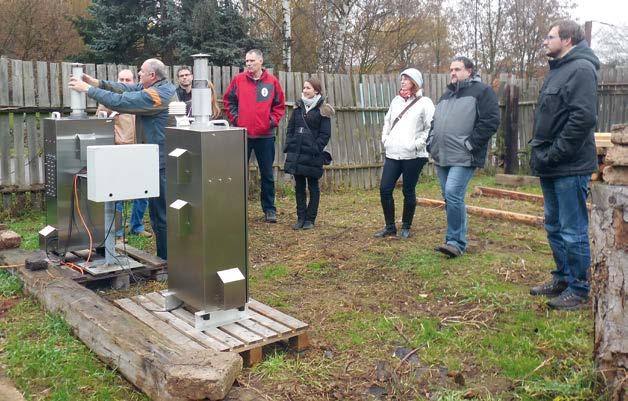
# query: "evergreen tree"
219, 30
124, 31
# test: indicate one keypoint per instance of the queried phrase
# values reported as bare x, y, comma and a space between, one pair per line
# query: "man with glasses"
149, 101
563, 155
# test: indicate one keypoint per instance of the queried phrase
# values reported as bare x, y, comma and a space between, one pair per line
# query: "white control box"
121, 172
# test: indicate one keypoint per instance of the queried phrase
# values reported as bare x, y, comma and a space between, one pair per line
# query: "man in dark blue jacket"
149, 100
563, 155
465, 119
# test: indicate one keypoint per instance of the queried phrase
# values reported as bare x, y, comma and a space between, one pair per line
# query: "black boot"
405, 231
299, 224
388, 231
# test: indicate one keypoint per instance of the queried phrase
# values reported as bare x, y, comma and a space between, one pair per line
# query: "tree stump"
609, 223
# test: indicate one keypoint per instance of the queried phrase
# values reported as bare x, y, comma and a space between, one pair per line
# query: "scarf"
406, 94
310, 103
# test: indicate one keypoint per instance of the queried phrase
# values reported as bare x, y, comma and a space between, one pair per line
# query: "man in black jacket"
563, 155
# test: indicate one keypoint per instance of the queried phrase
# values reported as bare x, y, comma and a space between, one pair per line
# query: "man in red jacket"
254, 100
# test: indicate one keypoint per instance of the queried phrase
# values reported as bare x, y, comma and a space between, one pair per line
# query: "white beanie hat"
414, 74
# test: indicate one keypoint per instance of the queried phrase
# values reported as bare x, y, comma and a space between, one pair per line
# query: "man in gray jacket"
563, 155
466, 117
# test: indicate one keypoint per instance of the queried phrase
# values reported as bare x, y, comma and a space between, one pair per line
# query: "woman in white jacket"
406, 126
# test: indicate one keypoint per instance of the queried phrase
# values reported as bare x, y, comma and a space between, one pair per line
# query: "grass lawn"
390, 319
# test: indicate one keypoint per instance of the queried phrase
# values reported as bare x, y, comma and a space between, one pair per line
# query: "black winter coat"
564, 122
304, 146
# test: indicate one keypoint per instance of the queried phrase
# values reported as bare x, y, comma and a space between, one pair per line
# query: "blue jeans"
157, 213
137, 215
120, 230
567, 226
453, 183
393, 169
265, 154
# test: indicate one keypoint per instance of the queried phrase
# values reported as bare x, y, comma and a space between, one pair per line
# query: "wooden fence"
30, 90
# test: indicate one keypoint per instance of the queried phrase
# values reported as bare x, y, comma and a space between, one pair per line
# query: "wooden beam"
506, 194
516, 180
163, 369
490, 213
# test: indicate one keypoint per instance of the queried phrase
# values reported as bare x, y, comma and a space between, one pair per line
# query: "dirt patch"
6, 305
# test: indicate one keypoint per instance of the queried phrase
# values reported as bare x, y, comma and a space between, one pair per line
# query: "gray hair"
157, 67
569, 29
257, 52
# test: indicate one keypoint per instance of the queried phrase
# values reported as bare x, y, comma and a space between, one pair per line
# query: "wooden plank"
505, 194
66, 73
160, 367
156, 324
142, 256
55, 86
241, 333
5, 146
101, 72
516, 180
527, 219
180, 325
17, 84
28, 74
188, 317
270, 323
274, 314
32, 135
226, 77
257, 328
217, 81
112, 72
43, 93
4, 81
18, 148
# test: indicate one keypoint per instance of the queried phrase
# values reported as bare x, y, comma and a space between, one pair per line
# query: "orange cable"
78, 208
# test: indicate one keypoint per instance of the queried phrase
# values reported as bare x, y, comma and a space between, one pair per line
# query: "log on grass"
609, 278
162, 368
516, 180
490, 213
505, 194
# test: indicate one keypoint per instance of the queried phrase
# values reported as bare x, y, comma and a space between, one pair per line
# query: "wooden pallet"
154, 268
264, 325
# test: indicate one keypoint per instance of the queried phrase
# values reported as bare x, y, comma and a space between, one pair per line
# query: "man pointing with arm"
149, 101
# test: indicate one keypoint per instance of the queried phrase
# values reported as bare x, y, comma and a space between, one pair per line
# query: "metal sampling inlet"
201, 94
78, 100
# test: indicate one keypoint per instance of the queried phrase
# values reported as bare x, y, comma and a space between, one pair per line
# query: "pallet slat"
276, 315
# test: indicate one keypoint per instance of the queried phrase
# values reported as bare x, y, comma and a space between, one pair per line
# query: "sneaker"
308, 225
144, 234
386, 232
568, 300
270, 216
298, 225
552, 288
449, 250
404, 233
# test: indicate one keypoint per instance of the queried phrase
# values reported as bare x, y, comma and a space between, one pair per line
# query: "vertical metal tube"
78, 100
201, 94
110, 237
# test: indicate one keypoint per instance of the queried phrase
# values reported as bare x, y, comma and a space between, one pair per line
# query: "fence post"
511, 132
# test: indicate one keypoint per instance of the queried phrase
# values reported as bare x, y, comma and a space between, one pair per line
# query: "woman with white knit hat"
406, 126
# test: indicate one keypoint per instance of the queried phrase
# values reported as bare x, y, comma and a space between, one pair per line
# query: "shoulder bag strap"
404, 111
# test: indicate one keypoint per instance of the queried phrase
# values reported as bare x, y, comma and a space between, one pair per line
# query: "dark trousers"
157, 213
306, 211
393, 169
265, 154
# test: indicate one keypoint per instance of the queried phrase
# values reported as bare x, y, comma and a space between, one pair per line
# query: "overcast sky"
609, 11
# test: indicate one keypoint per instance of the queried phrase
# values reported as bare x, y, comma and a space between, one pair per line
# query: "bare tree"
39, 29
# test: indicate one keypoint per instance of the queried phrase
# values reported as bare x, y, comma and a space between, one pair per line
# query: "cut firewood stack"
615, 170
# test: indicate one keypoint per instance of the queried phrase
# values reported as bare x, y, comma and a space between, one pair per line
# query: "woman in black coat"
309, 130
